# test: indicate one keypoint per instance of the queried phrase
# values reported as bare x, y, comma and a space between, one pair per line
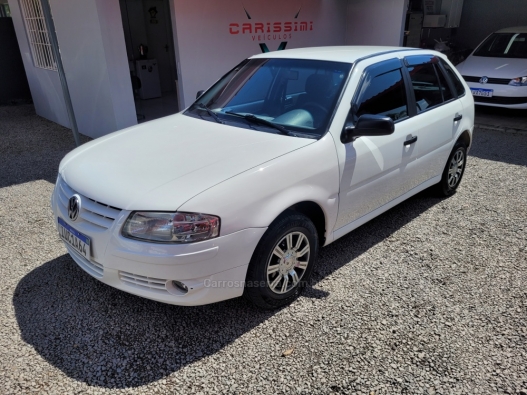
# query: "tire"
294, 237
454, 170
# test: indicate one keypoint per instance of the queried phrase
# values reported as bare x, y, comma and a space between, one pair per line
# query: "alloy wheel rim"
455, 170
288, 262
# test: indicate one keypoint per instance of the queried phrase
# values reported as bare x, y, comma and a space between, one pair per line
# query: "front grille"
144, 282
92, 211
497, 81
505, 100
93, 268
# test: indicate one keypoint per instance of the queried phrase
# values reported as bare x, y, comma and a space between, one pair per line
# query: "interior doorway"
149, 42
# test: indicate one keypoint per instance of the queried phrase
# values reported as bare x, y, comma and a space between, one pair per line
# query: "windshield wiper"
254, 119
201, 106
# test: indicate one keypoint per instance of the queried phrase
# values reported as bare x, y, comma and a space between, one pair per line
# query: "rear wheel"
454, 170
282, 262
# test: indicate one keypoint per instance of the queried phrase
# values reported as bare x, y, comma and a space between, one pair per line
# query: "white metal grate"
37, 34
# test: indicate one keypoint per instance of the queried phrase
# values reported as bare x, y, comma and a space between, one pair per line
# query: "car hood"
479, 66
161, 164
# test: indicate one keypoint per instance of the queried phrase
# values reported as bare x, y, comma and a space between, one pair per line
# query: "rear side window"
445, 88
384, 94
458, 85
426, 86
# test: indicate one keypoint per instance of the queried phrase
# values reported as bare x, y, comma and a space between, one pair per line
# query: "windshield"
504, 45
276, 96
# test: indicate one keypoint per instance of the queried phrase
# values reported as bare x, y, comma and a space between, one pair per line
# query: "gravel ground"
428, 298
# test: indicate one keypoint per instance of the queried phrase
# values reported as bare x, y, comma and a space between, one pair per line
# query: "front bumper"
506, 96
213, 270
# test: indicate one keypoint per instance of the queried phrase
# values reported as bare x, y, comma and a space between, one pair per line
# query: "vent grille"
505, 100
497, 81
143, 282
92, 211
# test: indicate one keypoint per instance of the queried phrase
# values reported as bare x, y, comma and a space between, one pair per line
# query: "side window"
384, 94
445, 88
458, 85
426, 86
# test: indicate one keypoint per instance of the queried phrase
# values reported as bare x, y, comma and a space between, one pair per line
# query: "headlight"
171, 227
520, 81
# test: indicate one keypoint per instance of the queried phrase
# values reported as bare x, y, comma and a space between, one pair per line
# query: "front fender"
257, 196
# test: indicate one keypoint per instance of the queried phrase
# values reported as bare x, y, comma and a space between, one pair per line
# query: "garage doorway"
147, 26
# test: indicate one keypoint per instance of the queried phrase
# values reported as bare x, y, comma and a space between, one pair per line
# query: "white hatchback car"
496, 71
285, 153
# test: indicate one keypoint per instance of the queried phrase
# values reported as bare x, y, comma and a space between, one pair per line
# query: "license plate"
79, 241
482, 92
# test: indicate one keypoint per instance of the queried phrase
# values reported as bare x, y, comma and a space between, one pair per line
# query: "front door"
379, 169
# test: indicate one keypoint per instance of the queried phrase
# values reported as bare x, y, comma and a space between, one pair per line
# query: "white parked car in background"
497, 70
284, 154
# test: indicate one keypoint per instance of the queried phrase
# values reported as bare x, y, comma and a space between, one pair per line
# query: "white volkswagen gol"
286, 153
496, 71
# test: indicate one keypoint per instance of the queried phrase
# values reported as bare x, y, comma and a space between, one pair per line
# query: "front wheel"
453, 172
282, 262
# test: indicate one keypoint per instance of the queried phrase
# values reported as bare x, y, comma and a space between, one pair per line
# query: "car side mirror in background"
367, 125
201, 92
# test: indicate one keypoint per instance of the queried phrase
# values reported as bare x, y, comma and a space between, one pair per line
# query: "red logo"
275, 27
260, 31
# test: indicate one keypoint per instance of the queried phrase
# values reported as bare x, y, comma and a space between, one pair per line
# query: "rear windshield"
504, 45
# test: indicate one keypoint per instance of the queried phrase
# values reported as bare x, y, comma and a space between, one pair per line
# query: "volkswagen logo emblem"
484, 80
74, 207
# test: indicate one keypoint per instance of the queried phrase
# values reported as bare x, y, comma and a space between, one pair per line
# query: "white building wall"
375, 22
210, 36
93, 52
208, 45
45, 87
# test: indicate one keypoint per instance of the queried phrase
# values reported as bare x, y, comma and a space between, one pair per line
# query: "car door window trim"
375, 70
417, 60
449, 80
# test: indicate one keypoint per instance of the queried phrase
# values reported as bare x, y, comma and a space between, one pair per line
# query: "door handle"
410, 141
458, 118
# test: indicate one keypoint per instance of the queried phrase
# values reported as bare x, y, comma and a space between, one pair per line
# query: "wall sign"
267, 31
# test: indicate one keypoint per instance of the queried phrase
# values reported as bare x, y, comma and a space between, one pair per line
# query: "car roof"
348, 54
517, 29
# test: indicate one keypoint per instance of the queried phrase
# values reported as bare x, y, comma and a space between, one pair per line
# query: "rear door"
439, 113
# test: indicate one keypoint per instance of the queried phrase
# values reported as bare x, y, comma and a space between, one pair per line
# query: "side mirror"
367, 125
201, 92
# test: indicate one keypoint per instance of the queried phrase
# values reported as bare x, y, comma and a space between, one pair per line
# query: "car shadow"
105, 337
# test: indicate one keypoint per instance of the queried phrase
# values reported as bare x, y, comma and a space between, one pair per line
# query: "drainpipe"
46, 9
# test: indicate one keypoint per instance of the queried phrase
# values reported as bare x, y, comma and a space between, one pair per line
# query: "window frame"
375, 70
452, 84
418, 60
